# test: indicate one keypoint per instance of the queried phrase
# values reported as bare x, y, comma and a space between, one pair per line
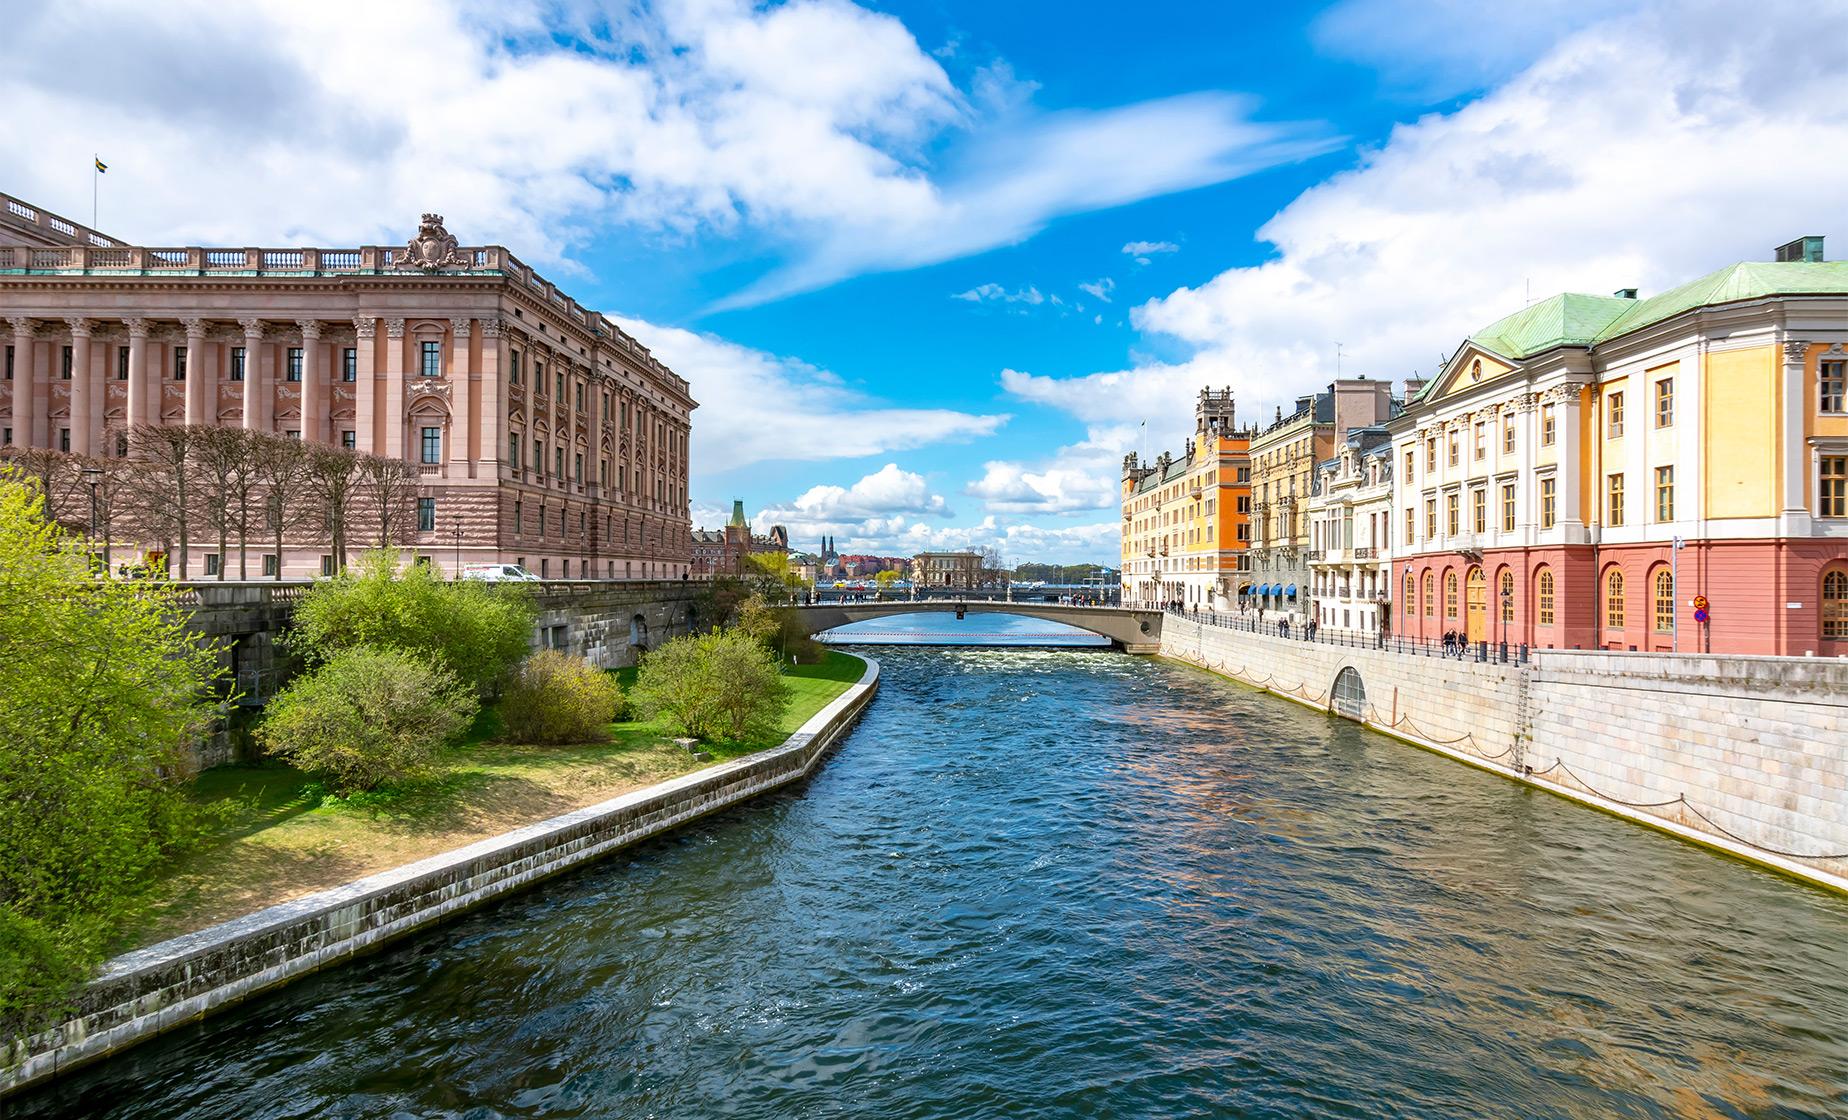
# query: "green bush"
367, 717
477, 631
557, 698
779, 628
101, 690
717, 686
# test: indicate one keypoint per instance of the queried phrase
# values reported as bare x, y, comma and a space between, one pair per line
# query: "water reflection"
1051, 884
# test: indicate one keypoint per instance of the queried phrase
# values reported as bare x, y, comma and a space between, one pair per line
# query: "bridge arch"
1137, 631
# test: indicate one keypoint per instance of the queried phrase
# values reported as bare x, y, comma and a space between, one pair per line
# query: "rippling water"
1058, 883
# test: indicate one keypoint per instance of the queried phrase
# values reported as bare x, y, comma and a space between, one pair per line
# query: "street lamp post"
455, 530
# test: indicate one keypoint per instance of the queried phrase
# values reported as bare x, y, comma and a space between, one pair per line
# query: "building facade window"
1506, 589
1451, 523
237, 363
1507, 507
1479, 511
431, 446
1508, 436
294, 364
1835, 603
64, 364
349, 364
349, 439
1664, 601
272, 563
1410, 594
426, 515
179, 363
9, 363
513, 367
1450, 596
1613, 599
1430, 595
1546, 425
1665, 493
1549, 502
1832, 486
1453, 449
1613, 412
1543, 598
1832, 387
432, 364
1431, 454
1410, 526
1409, 458
1430, 518
1613, 500
121, 363
558, 463
1665, 403
1481, 444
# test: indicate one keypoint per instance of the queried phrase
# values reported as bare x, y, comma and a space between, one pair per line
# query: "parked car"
498, 573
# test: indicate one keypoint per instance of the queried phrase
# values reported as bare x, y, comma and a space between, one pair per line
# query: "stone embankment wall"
148, 991
610, 624
1747, 754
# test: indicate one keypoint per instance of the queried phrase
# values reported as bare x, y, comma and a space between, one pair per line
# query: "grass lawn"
274, 836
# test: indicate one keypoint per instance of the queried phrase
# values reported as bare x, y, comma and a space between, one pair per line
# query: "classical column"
393, 420
138, 373
82, 396
253, 372
28, 414
201, 386
1793, 506
365, 332
493, 395
312, 430
461, 443
1566, 443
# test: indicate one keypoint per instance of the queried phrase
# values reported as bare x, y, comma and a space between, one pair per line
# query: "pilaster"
314, 425
83, 389
254, 389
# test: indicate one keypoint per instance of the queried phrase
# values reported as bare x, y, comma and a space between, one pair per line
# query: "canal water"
1075, 884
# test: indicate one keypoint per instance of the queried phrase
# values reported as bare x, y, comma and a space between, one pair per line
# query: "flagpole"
95, 176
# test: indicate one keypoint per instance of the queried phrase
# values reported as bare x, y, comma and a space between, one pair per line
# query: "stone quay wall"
151, 990
611, 623
1745, 754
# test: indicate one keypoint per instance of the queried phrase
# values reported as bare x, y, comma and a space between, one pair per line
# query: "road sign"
1700, 602
1700, 614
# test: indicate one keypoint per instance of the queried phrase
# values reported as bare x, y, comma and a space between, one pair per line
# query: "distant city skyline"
933, 269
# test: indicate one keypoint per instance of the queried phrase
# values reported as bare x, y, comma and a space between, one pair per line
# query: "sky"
933, 268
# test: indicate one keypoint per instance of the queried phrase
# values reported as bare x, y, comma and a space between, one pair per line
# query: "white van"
498, 573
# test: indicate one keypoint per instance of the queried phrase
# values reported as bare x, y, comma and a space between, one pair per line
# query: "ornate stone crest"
433, 248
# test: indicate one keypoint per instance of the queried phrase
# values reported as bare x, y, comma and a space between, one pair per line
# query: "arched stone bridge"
1136, 631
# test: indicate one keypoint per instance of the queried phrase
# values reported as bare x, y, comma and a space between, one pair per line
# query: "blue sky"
929, 265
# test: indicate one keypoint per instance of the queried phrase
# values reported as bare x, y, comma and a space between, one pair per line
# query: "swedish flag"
100, 165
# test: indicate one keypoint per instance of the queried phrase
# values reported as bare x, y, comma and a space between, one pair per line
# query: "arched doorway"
1350, 694
1476, 601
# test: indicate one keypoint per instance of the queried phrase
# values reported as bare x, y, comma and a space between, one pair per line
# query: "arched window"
1410, 594
1430, 594
1835, 603
1450, 595
1543, 598
1613, 599
1507, 597
1664, 601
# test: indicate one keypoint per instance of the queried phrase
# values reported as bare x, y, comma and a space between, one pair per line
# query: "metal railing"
1293, 629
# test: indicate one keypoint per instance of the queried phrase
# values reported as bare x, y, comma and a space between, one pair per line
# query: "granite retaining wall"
1745, 754
151, 990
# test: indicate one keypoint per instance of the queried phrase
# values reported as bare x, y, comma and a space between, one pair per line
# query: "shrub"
101, 688
367, 717
718, 686
557, 698
779, 628
477, 631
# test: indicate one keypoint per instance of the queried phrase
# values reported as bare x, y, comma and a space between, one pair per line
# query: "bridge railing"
1501, 653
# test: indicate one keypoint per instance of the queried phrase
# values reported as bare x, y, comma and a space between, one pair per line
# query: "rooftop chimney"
1625, 293
1805, 249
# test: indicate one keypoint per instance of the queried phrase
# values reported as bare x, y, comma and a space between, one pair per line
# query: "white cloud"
810, 125
1100, 288
995, 293
757, 407
885, 492
1076, 478
1645, 151
1441, 47
1143, 250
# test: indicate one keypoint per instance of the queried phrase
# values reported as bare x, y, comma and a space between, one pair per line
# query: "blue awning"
1263, 589
1290, 591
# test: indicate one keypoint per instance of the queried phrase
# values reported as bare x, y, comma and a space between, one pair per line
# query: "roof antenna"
1528, 296
1337, 361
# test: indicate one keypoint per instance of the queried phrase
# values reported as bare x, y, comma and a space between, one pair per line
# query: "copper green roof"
1575, 319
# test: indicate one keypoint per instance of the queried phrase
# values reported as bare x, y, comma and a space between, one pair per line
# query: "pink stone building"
541, 433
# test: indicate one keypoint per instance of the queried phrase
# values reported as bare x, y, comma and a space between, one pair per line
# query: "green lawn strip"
270, 833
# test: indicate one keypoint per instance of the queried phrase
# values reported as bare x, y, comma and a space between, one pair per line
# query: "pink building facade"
540, 432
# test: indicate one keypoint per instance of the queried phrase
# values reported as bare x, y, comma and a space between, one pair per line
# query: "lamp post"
93, 477
455, 530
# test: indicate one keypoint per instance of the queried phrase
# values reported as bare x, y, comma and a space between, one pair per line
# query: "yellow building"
1185, 520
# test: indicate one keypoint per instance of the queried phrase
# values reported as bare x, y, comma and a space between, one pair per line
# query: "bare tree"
227, 477
59, 477
331, 485
164, 490
993, 566
281, 467
390, 490
114, 486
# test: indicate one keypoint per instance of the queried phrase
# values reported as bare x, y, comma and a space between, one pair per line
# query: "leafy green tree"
478, 631
367, 717
557, 698
721, 686
886, 579
101, 690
